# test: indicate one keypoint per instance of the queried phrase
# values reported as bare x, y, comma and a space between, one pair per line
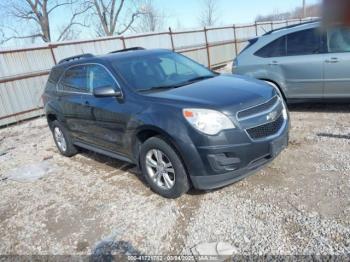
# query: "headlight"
207, 121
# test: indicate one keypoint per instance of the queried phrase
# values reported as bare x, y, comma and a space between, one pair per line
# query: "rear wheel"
62, 139
163, 168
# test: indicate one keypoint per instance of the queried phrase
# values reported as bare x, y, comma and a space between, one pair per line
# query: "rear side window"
338, 40
274, 49
306, 42
250, 43
54, 76
75, 80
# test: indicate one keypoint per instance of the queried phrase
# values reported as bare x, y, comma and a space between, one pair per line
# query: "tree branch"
72, 22
130, 23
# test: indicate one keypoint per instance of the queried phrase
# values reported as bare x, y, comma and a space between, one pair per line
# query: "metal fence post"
256, 28
235, 36
171, 39
271, 25
207, 45
123, 41
53, 54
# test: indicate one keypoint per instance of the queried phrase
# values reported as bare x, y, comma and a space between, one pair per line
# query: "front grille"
258, 109
266, 130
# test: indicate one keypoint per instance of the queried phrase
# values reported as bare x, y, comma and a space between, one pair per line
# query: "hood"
227, 93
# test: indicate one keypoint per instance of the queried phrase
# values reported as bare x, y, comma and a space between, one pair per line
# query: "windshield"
160, 70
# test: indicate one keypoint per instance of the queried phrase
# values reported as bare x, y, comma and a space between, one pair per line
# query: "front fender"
169, 123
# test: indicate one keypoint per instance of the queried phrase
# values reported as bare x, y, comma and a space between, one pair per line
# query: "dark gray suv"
306, 62
181, 123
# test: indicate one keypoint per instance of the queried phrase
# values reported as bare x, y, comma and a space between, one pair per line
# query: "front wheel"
163, 168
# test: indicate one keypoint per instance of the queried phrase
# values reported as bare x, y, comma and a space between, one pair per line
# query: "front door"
107, 121
337, 63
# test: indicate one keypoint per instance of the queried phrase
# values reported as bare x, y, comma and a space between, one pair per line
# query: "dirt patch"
298, 204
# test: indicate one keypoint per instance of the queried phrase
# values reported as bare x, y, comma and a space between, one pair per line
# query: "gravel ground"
298, 204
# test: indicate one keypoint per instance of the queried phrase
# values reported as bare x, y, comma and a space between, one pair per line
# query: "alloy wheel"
160, 169
59, 137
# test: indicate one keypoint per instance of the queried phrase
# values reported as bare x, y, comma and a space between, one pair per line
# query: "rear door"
337, 63
72, 86
302, 66
295, 61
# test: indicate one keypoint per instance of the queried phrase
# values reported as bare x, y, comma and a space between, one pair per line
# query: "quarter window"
339, 40
276, 48
75, 80
304, 42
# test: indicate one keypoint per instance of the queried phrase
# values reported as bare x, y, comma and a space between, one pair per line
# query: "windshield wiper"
198, 78
195, 79
156, 88
187, 82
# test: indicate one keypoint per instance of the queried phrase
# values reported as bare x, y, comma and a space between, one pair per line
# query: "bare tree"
209, 15
109, 14
299, 12
36, 14
152, 19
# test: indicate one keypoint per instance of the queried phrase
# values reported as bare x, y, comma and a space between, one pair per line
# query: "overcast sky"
179, 14
186, 12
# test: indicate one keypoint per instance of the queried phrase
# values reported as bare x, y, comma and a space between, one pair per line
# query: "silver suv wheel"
160, 169
59, 137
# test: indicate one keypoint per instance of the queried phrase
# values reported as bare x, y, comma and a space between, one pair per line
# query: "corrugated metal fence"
23, 72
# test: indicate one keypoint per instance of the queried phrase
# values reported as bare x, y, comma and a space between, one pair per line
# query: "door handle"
332, 60
87, 103
273, 63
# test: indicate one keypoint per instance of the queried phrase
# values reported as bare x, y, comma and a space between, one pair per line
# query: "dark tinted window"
339, 39
75, 80
54, 76
305, 42
275, 49
99, 77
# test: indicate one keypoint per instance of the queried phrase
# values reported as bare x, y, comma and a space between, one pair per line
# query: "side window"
75, 80
99, 77
170, 67
276, 48
53, 79
306, 42
338, 40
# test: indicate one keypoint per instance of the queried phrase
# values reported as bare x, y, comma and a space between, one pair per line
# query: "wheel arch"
275, 84
146, 132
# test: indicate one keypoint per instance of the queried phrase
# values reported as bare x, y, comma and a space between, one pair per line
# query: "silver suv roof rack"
291, 26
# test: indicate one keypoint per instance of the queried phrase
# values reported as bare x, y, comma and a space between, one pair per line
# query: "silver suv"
306, 62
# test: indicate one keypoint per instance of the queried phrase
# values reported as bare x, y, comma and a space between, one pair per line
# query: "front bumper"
225, 164
249, 159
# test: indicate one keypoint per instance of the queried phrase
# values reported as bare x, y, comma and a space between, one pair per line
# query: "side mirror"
107, 91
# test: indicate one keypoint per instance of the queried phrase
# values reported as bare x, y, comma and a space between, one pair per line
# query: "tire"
62, 139
167, 176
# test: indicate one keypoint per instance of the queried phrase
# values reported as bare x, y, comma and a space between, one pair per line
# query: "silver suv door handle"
332, 60
273, 63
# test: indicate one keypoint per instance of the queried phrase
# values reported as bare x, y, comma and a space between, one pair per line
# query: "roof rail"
291, 26
128, 49
71, 58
